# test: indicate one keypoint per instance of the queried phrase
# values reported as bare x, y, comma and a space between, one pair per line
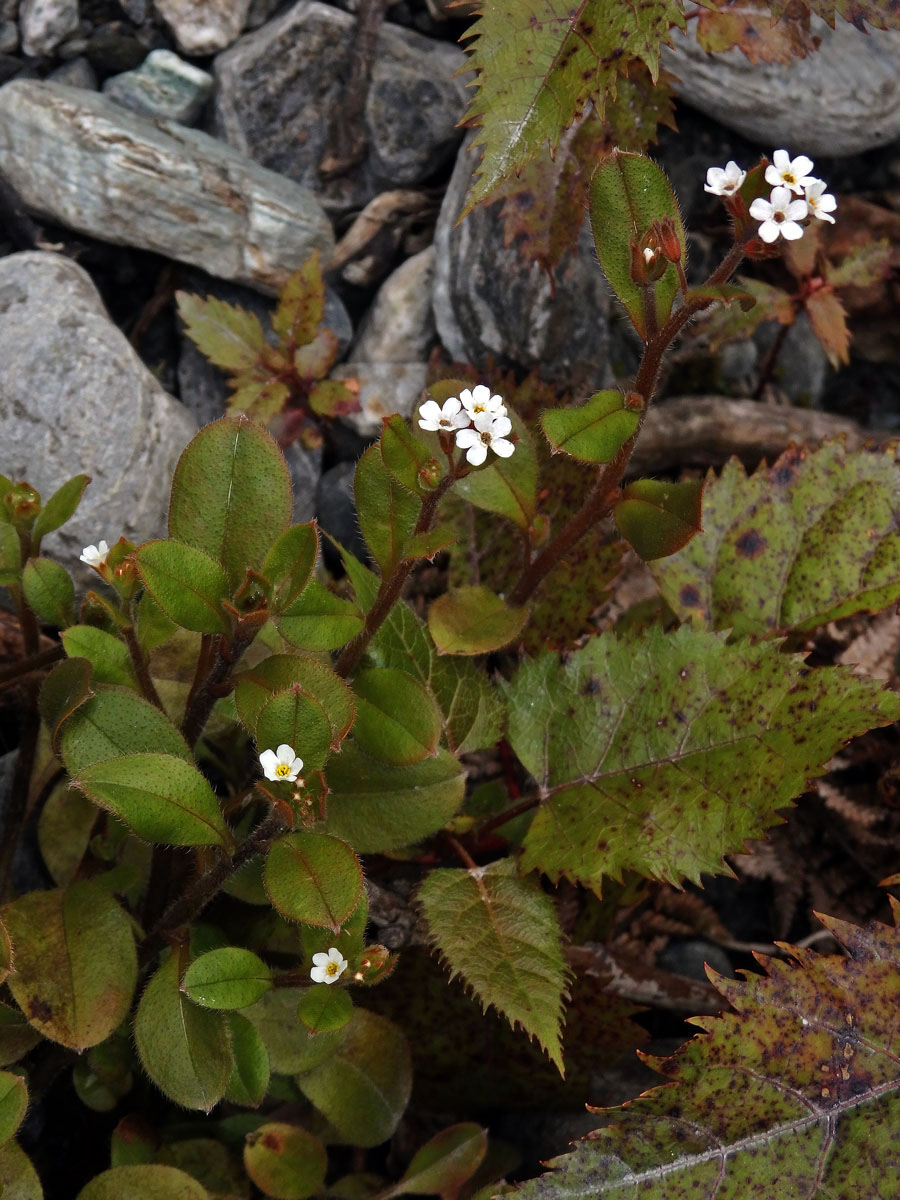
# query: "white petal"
318, 974
321, 959
484, 421
430, 410
285, 753
296, 767
768, 231
501, 426
781, 197
268, 760
761, 210
466, 438
823, 216
452, 406
481, 394
802, 166
466, 398
502, 447
791, 231
103, 547
773, 175
796, 210
781, 159
477, 454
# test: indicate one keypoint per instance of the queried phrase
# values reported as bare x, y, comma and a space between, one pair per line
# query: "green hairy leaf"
594, 432
250, 1072
145, 1181
387, 511
397, 720
795, 545
279, 672
540, 63
18, 1177
313, 878
60, 507
507, 486
49, 590
10, 554
319, 620
662, 753
187, 584
228, 978
659, 518
323, 1008
285, 1161
107, 654
289, 564
500, 933
810, 1052
13, 1103
299, 720
444, 1164
474, 620
110, 723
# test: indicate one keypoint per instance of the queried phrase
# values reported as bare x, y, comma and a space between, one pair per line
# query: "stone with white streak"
842, 99
164, 85
75, 397
204, 26
399, 326
82, 161
384, 388
45, 23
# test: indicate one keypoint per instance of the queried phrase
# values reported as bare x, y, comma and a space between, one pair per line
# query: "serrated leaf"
810, 1051
228, 978
725, 323
184, 1049
363, 1087
387, 512
474, 620
828, 321
808, 540
285, 1161
593, 432
49, 591
143, 1181
658, 519
863, 266
231, 495
541, 62
162, 798
259, 398
187, 584
501, 934
748, 25
301, 304
60, 507
230, 337
858, 12
397, 721
75, 965
319, 620
334, 397
313, 878
662, 753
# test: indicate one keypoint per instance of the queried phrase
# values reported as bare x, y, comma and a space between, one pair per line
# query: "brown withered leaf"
880, 14
828, 320
749, 25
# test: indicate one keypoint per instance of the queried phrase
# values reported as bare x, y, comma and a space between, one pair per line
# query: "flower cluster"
796, 194
476, 418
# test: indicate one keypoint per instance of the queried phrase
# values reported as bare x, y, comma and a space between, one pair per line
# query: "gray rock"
74, 397
114, 48
165, 86
384, 388
689, 958
9, 10
840, 100
204, 26
77, 73
490, 301
306, 471
278, 89
336, 511
81, 160
802, 369
260, 11
43, 24
399, 326
135, 10
9, 37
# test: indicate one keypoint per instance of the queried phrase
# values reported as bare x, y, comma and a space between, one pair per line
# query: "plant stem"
36, 662
462, 853
211, 681
139, 662
501, 818
14, 816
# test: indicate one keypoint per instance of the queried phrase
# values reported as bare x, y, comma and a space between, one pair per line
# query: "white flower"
724, 181
480, 400
779, 215
490, 432
327, 968
820, 202
451, 416
790, 173
281, 763
95, 556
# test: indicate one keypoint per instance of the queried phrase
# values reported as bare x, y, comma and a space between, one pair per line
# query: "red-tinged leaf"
187, 584
444, 1163
230, 337
829, 324
316, 358
749, 25
301, 304
335, 397
313, 878
540, 63
289, 564
863, 266
259, 398
727, 323
285, 1161
254, 689
802, 255
595, 431
65, 689
877, 13
659, 518
474, 620
810, 1050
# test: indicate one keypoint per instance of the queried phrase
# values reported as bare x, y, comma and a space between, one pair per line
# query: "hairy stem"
212, 681
139, 662
35, 662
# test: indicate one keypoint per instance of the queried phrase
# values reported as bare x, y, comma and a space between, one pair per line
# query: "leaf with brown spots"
664, 752
796, 1093
880, 14
803, 542
541, 62
748, 24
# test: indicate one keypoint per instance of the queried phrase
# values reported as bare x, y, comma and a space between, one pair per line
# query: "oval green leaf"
293, 717
229, 978
285, 1161
507, 486
75, 964
18, 1178
106, 653
313, 878
289, 564
10, 554
186, 583
278, 672
387, 512
162, 798
444, 1163
474, 620
319, 620
659, 518
231, 495
65, 689
250, 1073
49, 591
404, 455
148, 1181
112, 722
397, 720
13, 1103
594, 432
60, 507
184, 1049
324, 1008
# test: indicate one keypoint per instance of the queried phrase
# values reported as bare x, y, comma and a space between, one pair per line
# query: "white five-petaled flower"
328, 968
95, 556
489, 433
820, 202
789, 173
724, 181
479, 401
450, 416
779, 215
281, 763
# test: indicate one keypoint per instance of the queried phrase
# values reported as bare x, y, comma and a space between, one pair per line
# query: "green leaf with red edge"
313, 878
289, 564
474, 620
810, 1049
75, 962
593, 432
334, 398
231, 495
49, 591
143, 1181
387, 512
228, 978
628, 193
659, 518
808, 540
316, 358
285, 1161
863, 266
301, 304
444, 1163
114, 721
260, 398
250, 1073
319, 620
405, 456
397, 719
828, 321
298, 719
662, 753
107, 653
540, 63
858, 12
506, 486
65, 689
325, 1009
187, 584
748, 25
230, 337
500, 932
255, 687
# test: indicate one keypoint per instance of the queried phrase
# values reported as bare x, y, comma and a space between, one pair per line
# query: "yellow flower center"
282, 770
789, 178
333, 968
